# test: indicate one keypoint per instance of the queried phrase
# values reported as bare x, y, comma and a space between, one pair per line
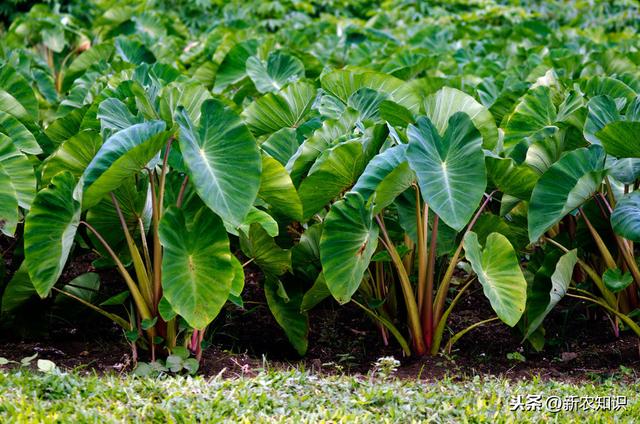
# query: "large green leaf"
49, 231
66, 126
277, 189
232, 68
279, 70
450, 169
17, 291
8, 204
334, 172
386, 175
343, 83
122, 155
188, 95
625, 219
331, 132
602, 110
621, 139
73, 155
115, 116
544, 297
285, 109
262, 248
287, 313
20, 171
511, 178
282, 145
566, 185
21, 137
498, 270
84, 61
349, 239
439, 108
223, 160
196, 265
533, 118
16, 95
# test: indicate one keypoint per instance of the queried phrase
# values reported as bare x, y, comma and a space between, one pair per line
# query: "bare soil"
580, 346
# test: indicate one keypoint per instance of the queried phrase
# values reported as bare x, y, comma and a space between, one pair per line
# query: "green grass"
288, 396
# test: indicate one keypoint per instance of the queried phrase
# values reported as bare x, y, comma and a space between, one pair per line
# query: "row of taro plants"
392, 160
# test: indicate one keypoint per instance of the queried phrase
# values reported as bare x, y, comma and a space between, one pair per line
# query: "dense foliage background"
391, 154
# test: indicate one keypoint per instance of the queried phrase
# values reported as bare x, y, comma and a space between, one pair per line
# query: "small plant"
516, 356
386, 367
178, 362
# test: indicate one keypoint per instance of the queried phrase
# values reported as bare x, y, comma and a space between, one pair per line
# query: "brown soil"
580, 343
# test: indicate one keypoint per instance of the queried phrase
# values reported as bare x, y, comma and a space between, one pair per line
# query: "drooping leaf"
450, 169
566, 185
260, 217
114, 116
191, 96
332, 130
49, 230
223, 160
282, 145
196, 265
498, 270
287, 314
16, 96
262, 248
342, 83
277, 189
18, 290
133, 51
73, 155
237, 284
20, 171
547, 297
316, 294
121, 156
387, 175
349, 239
8, 205
625, 219
21, 137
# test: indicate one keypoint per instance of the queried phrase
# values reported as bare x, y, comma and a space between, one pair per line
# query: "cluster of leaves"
348, 151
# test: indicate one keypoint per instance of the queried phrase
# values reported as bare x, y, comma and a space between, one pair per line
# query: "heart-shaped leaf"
49, 230
450, 169
223, 160
498, 270
196, 265
349, 239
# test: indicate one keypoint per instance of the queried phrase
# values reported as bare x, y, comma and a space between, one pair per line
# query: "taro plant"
586, 201
172, 222
410, 217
